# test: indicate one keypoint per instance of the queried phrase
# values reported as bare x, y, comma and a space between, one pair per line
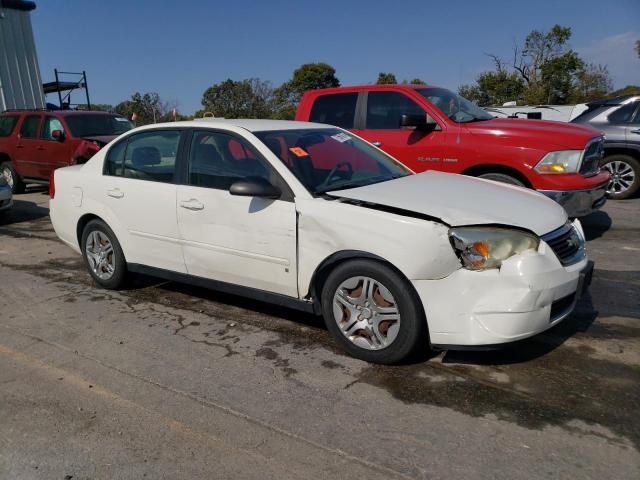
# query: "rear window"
7, 124
338, 109
97, 125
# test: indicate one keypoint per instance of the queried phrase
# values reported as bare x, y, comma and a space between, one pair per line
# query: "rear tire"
8, 171
502, 178
373, 312
103, 255
625, 176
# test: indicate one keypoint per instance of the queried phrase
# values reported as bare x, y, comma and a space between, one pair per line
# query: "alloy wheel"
100, 255
622, 176
8, 175
366, 313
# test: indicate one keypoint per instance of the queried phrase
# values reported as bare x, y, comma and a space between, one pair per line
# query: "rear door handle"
192, 204
376, 144
115, 193
636, 131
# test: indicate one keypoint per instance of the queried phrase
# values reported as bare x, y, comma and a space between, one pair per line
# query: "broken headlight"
480, 248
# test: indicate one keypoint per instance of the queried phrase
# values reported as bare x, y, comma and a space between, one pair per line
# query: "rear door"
241, 240
28, 147
54, 152
139, 191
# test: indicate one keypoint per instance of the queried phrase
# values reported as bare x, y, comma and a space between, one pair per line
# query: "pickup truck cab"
432, 128
33, 143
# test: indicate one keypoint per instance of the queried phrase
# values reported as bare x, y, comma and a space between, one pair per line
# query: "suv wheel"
372, 312
11, 176
625, 176
502, 178
103, 255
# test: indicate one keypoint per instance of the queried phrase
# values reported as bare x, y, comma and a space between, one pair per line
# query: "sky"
180, 48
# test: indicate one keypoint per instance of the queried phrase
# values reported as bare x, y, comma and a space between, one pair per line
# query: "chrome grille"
566, 243
591, 157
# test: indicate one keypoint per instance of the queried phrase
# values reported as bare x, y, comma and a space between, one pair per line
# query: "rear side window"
147, 156
29, 128
338, 110
385, 109
7, 124
623, 114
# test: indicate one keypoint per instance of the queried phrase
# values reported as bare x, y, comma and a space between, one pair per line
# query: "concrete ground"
170, 381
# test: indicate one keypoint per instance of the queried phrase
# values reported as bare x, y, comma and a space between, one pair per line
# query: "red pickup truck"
432, 128
34, 143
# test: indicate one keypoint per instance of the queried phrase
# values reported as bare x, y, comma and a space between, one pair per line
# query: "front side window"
29, 128
217, 160
50, 125
7, 124
96, 125
338, 110
385, 109
330, 159
457, 108
623, 114
147, 156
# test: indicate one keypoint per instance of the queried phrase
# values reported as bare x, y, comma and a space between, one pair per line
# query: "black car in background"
619, 119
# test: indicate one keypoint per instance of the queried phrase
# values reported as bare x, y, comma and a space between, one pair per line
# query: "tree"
386, 79
148, 108
310, 76
250, 98
415, 81
543, 71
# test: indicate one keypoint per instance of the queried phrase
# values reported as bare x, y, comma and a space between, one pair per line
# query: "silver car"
5, 194
619, 119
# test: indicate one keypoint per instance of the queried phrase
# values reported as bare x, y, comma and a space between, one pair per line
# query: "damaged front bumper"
579, 203
530, 293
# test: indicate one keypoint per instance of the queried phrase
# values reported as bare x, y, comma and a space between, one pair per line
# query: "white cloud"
618, 53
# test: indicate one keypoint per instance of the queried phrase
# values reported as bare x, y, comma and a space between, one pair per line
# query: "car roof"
369, 88
64, 113
252, 125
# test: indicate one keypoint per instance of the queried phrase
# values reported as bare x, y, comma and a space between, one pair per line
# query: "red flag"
134, 116
174, 113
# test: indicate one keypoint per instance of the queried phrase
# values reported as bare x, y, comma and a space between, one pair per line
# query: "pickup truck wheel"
372, 312
103, 255
502, 178
11, 176
625, 176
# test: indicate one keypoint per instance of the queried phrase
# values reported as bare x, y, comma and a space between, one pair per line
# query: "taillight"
52, 184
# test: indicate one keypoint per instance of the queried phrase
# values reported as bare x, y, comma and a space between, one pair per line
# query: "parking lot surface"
169, 381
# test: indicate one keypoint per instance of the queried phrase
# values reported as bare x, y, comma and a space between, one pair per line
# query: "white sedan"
311, 216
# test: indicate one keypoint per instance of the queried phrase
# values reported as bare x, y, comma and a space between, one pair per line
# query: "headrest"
144, 156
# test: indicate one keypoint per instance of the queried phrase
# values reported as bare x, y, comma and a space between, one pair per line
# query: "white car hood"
461, 200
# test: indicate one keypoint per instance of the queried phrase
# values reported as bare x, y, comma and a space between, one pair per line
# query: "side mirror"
255, 187
58, 135
419, 122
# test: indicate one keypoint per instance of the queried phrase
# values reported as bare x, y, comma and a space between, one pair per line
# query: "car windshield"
326, 159
97, 125
457, 108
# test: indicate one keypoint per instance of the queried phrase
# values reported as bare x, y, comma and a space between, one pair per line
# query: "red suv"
432, 128
34, 143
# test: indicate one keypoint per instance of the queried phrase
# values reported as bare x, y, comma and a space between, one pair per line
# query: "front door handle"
376, 144
636, 131
192, 204
115, 193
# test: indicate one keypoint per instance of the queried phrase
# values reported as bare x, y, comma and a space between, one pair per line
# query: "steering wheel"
332, 173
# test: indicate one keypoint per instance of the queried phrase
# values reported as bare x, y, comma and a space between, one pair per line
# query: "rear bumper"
579, 203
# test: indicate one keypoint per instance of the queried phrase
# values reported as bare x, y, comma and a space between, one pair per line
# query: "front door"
56, 151
418, 150
241, 240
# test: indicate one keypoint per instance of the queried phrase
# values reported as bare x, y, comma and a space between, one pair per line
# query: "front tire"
8, 171
625, 176
103, 255
502, 178
373, 312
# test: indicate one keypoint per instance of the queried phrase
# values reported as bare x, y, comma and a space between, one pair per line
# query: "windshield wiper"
364, 183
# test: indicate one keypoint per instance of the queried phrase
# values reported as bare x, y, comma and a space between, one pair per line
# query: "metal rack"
78, 81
